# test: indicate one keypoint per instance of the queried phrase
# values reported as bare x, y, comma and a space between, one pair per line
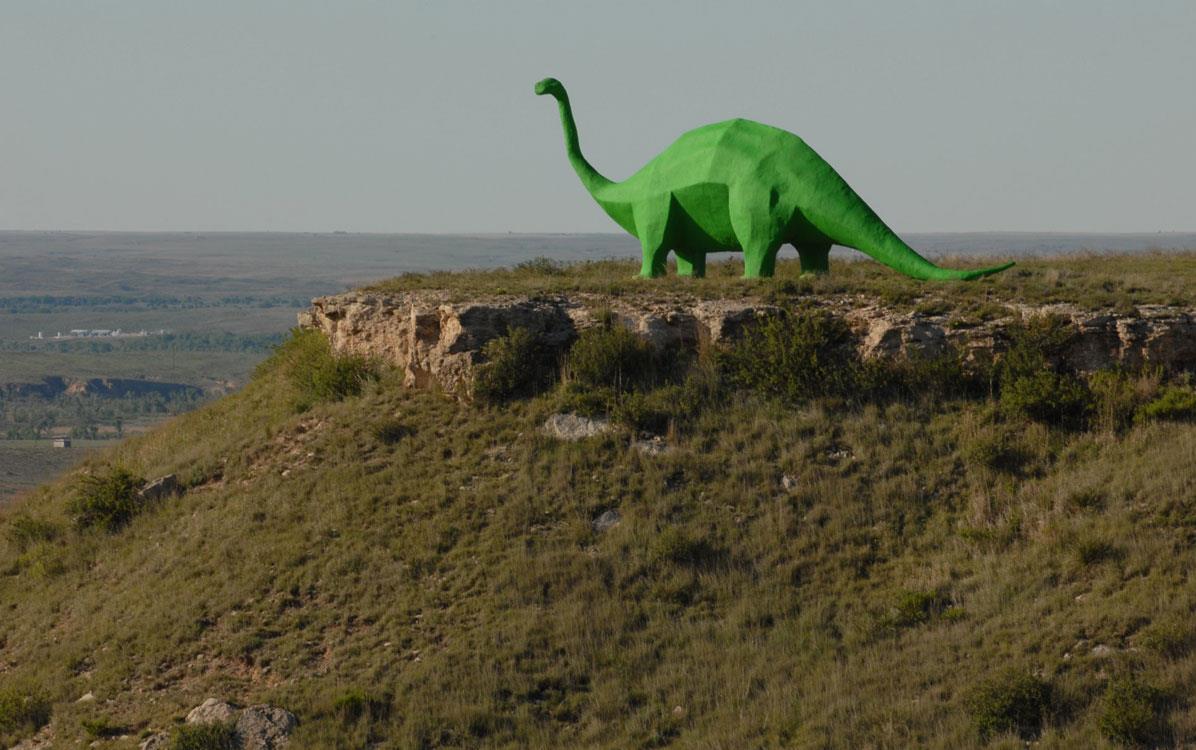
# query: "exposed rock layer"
438, 342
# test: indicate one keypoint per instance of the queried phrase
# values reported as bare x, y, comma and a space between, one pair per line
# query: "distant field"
193, 368
24, 464
20, 326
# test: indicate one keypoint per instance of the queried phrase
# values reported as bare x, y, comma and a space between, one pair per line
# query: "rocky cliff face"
437, 342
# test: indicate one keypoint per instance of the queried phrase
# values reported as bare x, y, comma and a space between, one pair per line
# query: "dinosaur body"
741, 185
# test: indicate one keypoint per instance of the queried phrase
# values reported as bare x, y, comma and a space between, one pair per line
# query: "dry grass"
1114, 281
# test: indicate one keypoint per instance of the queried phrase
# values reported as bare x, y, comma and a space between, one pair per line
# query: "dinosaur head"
550, 86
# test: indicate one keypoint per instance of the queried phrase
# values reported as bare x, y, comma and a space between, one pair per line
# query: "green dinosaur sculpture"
740, 185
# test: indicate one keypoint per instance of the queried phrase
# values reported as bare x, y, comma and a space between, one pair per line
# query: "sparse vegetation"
102, 729
22, 713
214, 736
24, 531
316, 373
515, 366
107, 500
1013, 701
608, 356
1132, 713
356, 704
1175, 403
1110, 281
808, 565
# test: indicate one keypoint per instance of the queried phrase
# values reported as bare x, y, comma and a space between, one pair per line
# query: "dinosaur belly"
700, 219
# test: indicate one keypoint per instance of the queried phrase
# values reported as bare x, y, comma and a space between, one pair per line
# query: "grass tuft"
1132, 713
22, 713
1012, 701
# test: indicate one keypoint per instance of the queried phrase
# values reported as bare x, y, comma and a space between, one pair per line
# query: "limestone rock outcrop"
436, 341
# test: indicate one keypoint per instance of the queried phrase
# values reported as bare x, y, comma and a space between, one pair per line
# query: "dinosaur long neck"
588, 175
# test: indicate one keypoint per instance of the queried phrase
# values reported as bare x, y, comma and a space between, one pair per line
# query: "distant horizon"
615, 233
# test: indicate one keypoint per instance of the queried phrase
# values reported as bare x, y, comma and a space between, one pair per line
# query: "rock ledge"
436, 342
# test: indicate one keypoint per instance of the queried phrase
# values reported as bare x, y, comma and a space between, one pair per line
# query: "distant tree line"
174, 342
86, 416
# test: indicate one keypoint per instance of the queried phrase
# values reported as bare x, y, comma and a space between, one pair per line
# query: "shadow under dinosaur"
741, 185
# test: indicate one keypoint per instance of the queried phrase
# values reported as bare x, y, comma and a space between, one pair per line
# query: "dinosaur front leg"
651, 225
691, 263
760, 261
757, 230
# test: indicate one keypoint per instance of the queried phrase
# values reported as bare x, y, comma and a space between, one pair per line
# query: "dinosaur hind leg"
814, 259
691, 263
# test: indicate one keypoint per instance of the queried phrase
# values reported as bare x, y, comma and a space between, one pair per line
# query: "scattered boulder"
43, 740
653, 447
606, 521
258, 727
213, 711
88, 697
161, 488
265, 727
788, 482
574, 427
159, 741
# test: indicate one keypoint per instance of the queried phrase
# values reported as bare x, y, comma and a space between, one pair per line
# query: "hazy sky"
419, 117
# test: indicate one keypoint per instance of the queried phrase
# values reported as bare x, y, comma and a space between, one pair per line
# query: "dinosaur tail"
863, 230
896, 254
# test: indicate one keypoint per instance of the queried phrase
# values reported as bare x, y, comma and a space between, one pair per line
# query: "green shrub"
97, 729
997, 449
1090, 550
675, 546
652, 411
1052, 398
1012, 701
658, 409
1132, 713
588, 402
1031, 383
22, 713
108, 500
914, 608
1087, 498
1171, 638
804, 355
610, 356
315, 372
390, 433
1175, 403
205, 737
515, 366
1035, 344
25, 531
1117, 396
939, 377
356, 704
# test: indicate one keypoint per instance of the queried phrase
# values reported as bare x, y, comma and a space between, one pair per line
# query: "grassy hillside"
829, 553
